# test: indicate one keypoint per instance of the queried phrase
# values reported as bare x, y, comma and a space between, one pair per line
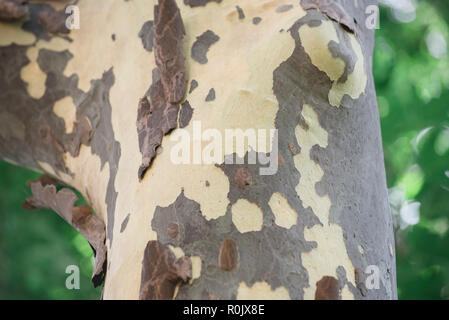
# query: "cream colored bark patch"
196, 268
284, 214
11, 32
177, 251
247, 216
330, 252
315, 41
346, 294
261, 291
65, 109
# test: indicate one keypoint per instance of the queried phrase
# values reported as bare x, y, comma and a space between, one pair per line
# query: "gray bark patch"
199, 3
193, 85
257, 20
146, 34
284, 8
124, 223
211, 95
240, 12
185, 115
202, 45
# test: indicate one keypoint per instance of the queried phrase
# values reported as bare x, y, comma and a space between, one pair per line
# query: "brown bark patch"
228, 257
168, 34
155, 118
243, 178
292, 149
12, 9
159, 115
172, 230
45, 195
333, 10
53, 21
327, 289
281, 161
161, 272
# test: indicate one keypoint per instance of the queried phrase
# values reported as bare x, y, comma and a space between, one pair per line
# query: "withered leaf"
333, 10
45, 195
161, 272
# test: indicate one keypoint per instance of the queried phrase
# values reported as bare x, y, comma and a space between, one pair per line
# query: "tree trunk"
97, 107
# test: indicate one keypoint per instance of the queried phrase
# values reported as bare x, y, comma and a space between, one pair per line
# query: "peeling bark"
159, 116
81, 218
333, 10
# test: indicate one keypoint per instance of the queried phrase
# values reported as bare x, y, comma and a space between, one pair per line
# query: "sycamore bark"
69, 105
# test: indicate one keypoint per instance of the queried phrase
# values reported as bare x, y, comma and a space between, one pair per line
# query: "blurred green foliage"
411, 70
37, 246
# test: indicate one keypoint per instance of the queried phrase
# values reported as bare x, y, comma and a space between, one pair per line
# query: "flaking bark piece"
45, 195
53, 21
45, 179
333, 10
155, 118
12, 9
167, 43
161, 272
